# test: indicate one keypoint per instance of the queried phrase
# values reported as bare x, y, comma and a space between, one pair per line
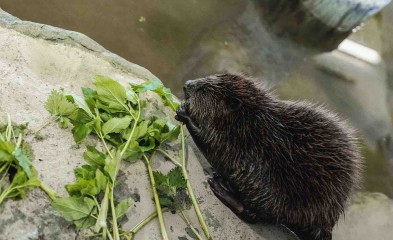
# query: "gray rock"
34, 59
368, 217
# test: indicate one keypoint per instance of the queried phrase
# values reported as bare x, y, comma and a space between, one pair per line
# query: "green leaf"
162, 183
131, 95
84, 223
101, 179
160, 178
164, 130
147, 145
94, 157
19, 179
89, 93
7, 147
83, 187
105, 116
122, 208
151, 85
165, 202
97, 123
157, 128
80, 132
82, 104
159, 124
171, 188
79, 117
108, 109
86, 172
64, 122
6, 151
23, 161
170, 183
176, 179
74, 208
110, 92
140, 131
116, 125
157, 87
33, 182
167, 98
57, 104
133, 152
5, 156
20, 184
171, 135
111, 165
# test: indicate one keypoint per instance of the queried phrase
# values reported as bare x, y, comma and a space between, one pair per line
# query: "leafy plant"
167, 98
171, 188
17, 174
114, 113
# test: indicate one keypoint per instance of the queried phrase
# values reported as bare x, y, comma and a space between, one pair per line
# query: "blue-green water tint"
183, 39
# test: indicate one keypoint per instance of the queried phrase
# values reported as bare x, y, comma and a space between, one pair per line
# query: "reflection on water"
184, 39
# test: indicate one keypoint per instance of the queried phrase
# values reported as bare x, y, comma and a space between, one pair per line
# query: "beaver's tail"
311, 233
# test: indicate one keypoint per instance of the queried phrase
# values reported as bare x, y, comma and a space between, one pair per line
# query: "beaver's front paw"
181, 114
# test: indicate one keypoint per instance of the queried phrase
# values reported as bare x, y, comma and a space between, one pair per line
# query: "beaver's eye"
233, 103
201, 90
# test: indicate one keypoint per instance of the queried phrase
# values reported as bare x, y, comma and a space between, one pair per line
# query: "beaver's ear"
233, 103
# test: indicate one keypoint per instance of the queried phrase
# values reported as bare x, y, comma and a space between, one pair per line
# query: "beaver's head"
216, 101
224, 113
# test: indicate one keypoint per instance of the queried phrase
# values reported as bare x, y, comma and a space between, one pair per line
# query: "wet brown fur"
289, 162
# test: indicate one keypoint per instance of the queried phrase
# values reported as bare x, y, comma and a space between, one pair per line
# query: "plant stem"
97, 234
6, 165
92, 235
141, 224
189, 188
114, 218
189, 225
4, 195
8, 130
103, 141
109, 234
156, 199
133, 129
96, 202
129, 109
101, 220
169, 157
5, 173
50, 192
48, 122
18, 141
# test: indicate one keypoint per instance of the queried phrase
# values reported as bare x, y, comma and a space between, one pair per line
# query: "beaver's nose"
189, 84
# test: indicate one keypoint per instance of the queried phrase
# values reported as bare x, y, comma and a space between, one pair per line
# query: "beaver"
278, 162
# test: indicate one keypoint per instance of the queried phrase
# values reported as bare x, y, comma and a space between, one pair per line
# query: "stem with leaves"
189, 188
156, 199
185, 175
14, 156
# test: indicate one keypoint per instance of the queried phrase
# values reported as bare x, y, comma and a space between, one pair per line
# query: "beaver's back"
313, 166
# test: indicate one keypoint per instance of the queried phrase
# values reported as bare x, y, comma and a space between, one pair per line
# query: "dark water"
183, 39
